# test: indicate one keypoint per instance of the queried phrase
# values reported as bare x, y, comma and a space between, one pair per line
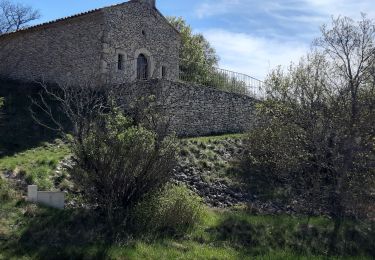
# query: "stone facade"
150, 35
85, 49
195, 110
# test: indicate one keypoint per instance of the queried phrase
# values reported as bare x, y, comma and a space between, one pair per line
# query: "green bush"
5, 192
119, 163
175, 210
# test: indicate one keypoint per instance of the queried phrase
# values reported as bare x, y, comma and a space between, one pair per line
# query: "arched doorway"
142, 67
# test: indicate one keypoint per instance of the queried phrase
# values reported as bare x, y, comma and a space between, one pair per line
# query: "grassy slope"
33, 232
36, 165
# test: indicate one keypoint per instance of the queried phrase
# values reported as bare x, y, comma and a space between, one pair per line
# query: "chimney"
151, 3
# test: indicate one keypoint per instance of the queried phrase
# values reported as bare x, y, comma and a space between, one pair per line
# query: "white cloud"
253, 55
315, 8
349, 8
273, 32
215, 8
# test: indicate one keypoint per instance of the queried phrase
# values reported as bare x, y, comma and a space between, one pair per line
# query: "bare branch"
14, 16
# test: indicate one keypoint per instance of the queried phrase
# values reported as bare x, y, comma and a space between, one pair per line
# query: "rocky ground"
208, 167
205, 167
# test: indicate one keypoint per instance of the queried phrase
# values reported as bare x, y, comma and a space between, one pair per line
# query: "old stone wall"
194, 110
66, 52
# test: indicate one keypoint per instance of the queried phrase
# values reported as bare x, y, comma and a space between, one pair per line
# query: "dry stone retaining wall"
196, 110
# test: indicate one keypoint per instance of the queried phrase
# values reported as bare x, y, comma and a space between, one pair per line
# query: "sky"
250, 36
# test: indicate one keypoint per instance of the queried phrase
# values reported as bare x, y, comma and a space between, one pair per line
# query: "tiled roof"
34, 27
60, 20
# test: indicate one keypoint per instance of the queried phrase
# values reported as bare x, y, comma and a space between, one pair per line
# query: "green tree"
198, 60
197, 57
315, 136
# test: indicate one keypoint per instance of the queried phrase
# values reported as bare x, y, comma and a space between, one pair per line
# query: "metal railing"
222, 79
198, 73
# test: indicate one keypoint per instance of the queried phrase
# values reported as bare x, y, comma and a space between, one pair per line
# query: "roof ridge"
62, 19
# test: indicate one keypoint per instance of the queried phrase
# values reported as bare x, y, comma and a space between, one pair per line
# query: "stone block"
47, 198
32, 193
52, 199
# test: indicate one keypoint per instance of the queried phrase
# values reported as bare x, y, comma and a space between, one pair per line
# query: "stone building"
115, 44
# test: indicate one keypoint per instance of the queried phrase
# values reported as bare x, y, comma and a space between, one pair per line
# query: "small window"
163, 72
120, 62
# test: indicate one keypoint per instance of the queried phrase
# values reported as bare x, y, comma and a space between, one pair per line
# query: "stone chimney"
151, 3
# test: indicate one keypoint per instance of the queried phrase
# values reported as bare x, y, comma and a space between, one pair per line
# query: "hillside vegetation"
32, 232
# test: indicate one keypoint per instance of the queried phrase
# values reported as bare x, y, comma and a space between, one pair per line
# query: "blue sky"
250, 36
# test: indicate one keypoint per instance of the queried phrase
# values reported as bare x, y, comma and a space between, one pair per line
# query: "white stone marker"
48, 198
52, 199
32, 193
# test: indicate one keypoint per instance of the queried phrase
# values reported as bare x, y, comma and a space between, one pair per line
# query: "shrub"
174, 210
5, 192
275, 158
313, 136
118, 163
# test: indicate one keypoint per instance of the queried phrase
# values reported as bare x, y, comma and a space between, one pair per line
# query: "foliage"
14, 16
314, 136
276, 159
174, 210
196, 53
198, 61
118, 163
